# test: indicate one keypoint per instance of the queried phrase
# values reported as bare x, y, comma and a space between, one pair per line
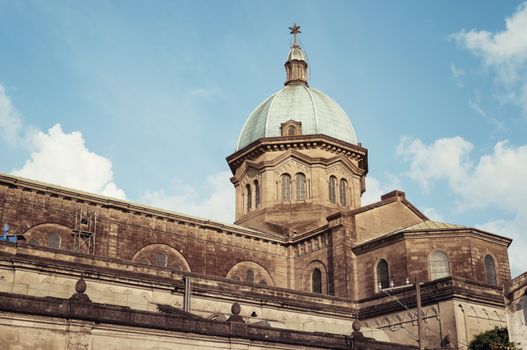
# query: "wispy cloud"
213, 200
10, 119
457, 74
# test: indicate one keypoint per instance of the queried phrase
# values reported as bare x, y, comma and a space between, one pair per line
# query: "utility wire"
415, 315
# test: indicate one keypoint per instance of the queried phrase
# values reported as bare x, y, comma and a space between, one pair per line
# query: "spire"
296, 65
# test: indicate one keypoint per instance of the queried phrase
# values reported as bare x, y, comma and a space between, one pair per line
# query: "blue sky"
145, 99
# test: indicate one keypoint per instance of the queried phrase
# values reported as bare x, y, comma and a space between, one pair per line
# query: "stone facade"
256, 266
304, 258
516, 309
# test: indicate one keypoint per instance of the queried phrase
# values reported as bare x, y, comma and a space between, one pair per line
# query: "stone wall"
516, 309
129, 232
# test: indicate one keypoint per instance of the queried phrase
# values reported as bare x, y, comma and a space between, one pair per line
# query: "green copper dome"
318, 113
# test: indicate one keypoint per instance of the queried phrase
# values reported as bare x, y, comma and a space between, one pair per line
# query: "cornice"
428, 233
431, 293
300, 157
131, 207
282, 143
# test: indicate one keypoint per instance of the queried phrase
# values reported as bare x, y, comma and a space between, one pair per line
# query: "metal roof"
318, 113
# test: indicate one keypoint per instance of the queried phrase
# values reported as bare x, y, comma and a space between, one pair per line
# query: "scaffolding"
85, 232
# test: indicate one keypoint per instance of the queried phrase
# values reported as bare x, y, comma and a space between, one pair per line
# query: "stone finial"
236, 309
356, 334
235, 317
80, 289
80, 286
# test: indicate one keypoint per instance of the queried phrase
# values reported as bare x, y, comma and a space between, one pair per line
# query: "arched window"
54, 241
236, 278
333, 189
256, 193
316, 281
383, 277
343, 188
300, 180
286, 187
490, 271
249, 196
249, 276
161, 259
145, 261
291, 131
439, 266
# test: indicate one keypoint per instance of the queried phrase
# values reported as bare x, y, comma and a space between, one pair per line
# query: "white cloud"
10, 119
63, 159
57, 157
375, 189
505, 52
214, 200
445, 158
495, 180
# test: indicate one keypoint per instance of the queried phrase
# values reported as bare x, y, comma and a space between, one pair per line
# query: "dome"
296, 54
318, 113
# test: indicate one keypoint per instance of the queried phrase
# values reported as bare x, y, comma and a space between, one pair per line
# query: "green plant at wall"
494, 339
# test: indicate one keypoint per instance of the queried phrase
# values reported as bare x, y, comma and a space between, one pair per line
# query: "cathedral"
304, 266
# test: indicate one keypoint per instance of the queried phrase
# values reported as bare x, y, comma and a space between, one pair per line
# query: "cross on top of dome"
295, 30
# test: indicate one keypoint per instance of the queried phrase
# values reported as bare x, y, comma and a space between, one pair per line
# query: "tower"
297, 159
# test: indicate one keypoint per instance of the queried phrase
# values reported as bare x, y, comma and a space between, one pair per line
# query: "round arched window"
316, 281
439, 266
300, 180
249, 196
343, 189
383, 276
286, 187
333, 189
